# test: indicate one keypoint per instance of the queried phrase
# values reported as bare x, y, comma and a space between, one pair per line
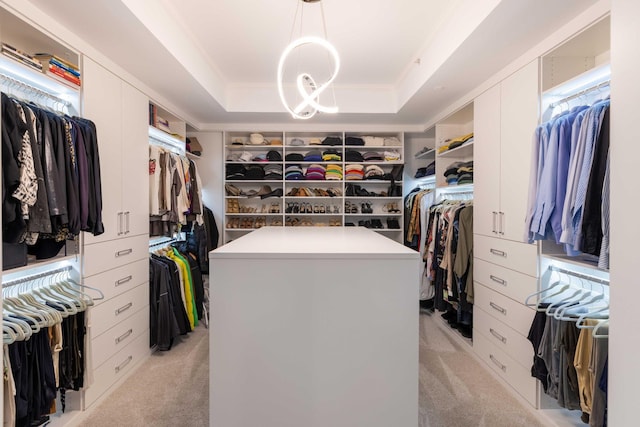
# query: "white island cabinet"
314, 327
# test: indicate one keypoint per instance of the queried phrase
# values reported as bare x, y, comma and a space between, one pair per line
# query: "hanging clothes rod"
579, 275
163, 243
163, 139
36, 276
25, 87
582, 92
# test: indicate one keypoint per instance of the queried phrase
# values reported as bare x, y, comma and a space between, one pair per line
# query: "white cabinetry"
505, 269
121, 116
117, 261
504, 119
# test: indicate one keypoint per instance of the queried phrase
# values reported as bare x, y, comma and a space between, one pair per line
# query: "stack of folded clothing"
373, 156
334, 172
391, 155
459, 173
465, 173
294, 157
450, 144
315, 172
426, 171
254, 172
373, 141
273, 172
354, 172
373, 172
353, 156
235, 171
331, 155
392, 141
313, 156
293, 172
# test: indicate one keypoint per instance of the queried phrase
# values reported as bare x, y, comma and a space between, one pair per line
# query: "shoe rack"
254, 199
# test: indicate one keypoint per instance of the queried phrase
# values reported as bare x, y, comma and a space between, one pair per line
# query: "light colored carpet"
455, 391
172, 388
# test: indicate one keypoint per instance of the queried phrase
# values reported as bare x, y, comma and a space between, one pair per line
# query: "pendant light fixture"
307, 100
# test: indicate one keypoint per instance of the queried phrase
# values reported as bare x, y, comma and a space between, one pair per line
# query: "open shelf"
465, 150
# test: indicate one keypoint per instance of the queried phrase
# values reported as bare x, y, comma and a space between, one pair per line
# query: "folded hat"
332, 140
294, 157
275, 141
392, 141
296, 142
274, 156
315, 141
256, 139
354, 140
245, 156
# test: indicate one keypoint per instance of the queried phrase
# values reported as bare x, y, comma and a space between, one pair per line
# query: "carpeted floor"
172, 388
455, 391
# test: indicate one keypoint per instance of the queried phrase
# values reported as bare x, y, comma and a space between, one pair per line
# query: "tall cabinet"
505, 268
117, 261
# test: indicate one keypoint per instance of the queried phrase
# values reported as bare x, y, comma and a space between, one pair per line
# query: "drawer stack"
505, 273
119, 325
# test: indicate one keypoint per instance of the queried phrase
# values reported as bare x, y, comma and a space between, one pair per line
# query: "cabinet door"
102, 103
519, 119
486, 162
135, 161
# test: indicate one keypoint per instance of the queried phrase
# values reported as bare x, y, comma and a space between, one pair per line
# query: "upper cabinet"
504, 117
120, 112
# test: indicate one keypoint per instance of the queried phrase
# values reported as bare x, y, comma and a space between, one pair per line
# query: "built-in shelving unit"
310, 202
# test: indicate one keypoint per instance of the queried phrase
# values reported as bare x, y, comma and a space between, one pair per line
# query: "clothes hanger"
9, 336
558, 287
20, 333
23, 294
603, 324
57, 302
55, 284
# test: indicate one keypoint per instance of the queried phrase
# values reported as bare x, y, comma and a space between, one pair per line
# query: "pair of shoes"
366, 208
350, 207
275, 193
334, 223
233, 206
276, 223
391, 207
232, 190
275, 208
393, 224
233, 223
376, 223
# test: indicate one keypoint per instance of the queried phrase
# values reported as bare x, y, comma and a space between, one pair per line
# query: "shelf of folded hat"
250, 147
465, 150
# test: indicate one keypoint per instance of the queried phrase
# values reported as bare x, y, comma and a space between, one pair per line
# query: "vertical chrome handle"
124, 336
496, 307
123, 364
126, 217
120, 232
498, 280
501, 223
494, 218
497, 363
497, 335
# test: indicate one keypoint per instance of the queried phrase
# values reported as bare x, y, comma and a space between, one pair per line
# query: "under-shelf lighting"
166, 141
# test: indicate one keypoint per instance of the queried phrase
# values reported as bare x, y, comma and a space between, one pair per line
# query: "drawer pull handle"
123, 280
124, 308
123, 364
497, 335
497, 363
498, 280
498, 308
497, 252
124, 336
124, 252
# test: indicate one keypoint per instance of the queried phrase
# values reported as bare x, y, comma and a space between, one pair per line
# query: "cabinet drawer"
503, 337
105, 256
521, 257
117, 309
119, 336
506, 310
119, 280
116, 367
513, 284
514, 374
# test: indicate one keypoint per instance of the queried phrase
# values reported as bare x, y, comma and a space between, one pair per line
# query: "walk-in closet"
314, 212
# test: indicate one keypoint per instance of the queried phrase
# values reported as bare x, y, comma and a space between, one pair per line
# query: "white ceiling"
216, 60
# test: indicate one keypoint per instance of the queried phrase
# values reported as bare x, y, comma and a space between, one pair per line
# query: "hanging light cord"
326, 37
